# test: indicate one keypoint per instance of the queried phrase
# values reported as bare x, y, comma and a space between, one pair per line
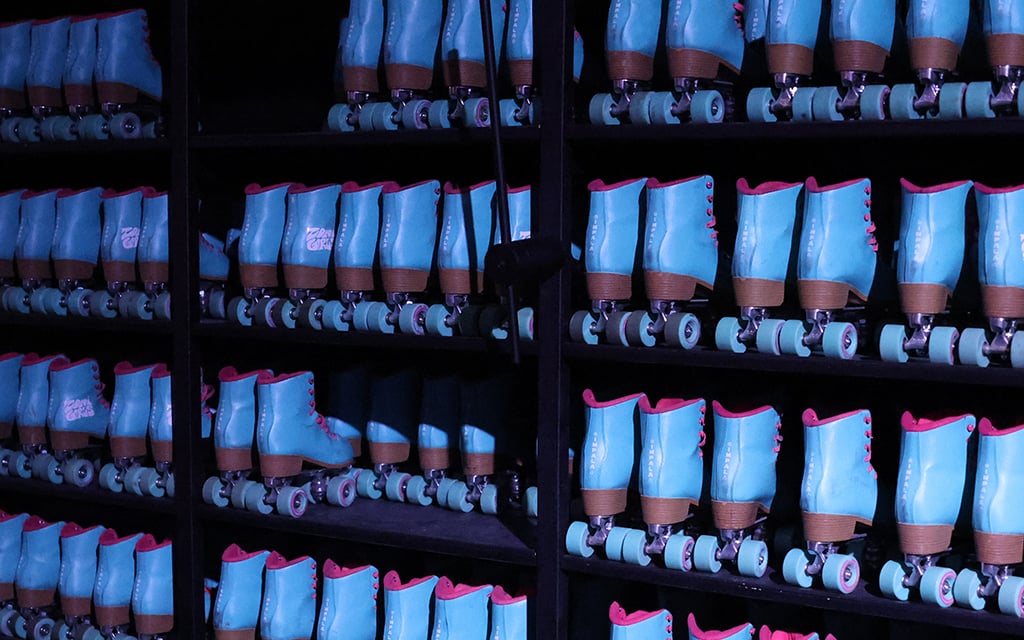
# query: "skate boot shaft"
361, 43
639, 625
936, 33
703, 38
861, 32
259, 246
125, 66
10, 381
161, 427
680, 214
608, 452
766, 222
115, 578
612, 236
77, 408
49, 50
289, 598
122, 223
1000, 268
130, 409
1003, 33
214, 263
519, 212
34, 397
631, 39
80, 65
439, 421
154, 245
998, 526
355, 243
153, 591
349, 604
10, 220
39, 565
791, 32
77, 233
519, 48
407, 606
309, 235
672, 466
466, 233
35, 234
410, 43
462, 42
509, 615
78, 562
11, 527
15, 42
237, 605
234, 425
393, 421
460, 611
408, 235
743, 478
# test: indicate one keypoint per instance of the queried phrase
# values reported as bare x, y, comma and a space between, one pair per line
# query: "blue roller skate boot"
410, 45
436, 440
214, 266
355, 251
349, 406
742, 489
613, 230
360, 51
10, 379
791, 34
115, 579
259, 252
290, 436
509, 616
861, 32
82, 117
406, 249
680, 254
761, 261
933, 470
77, 416
349, 605
289, 598
494, 318
998, 524
119, 244
523, 108
129, 80
153, 593
460, 611
32, 255
128, 428
929, 256
15, 42
153, 257
10, 220
35, 583
75, 251
840, 491
639, 625
1001, 275
631, 40
78, 563
407, 607
45, 74
1000, 96
607, 467
835, 267
391, 427
30, 416
11, 527
158, 480
739, 632
236, 609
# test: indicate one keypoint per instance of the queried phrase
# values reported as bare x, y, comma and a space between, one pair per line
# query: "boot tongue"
446, 590
619, 616
235, 553
500, 596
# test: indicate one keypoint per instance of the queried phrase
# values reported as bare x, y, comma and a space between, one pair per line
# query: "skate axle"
931, 81
657, 538
753, 317
992, 578
922, 325
599, 528
1004, 330
918, 564
381, 473
1008, 79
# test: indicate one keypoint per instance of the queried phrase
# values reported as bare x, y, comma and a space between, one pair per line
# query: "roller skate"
236, 609
11, 527
791, 33
410, 46
1001, 275
77, 416
840, 491
301, 457
933, 472
122, 222
35, 583
509, 615
360, 51
33, 406
861, 33
234, 428
214, 266
761, 262
153, 258
936, 33
1000, 96
631, 41
129, 80
390, 429
680, 254
44, 78
929, 256
406, 249
78, 564
407, 606
605, 474
523, 108
32, 256
639, 625
153, 592
259, 252
742, 490
611, 247
494, 317
16, 43
743, 631
158, 480
10, 378
75, 252
460, 611
81, 117
10, 219
112, 594
436, 440
464, 64
836, 265
128, 428
289, 598
349, 605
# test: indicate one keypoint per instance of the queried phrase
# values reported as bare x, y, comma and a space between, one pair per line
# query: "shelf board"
91, 494
80, 147
771, 587
405, 137
391, 524
75, 323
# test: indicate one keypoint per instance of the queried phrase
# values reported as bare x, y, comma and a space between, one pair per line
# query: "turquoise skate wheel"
212, 489
150, 131
79, 472
63, 631
840, 340
21, 465
41, 629
1016, 352
53, 472
457, 498
238, 312
366, 485
967, 590
310, 312
525, 317
640, 108
416, 114
634, 548
338, 118
825, 104
791, 339
125, 126
901, 102
103, 305
394, 488
333, 316
93, 127
437, 116
28, 130
682, 330
149, 480
371, 316
613, 543
291, 502
441, 496
385, 117
412, 317
615, 328
768, 336
937, 586
169, 485
108, 478
508, 111
489, 499
678, 552
841, 573
217, 304
638, 324
263, 311
341, 491
54, 302
478, 113
891, 580
581, 328
416, 491
951, 100
36, 300
942, 345
283, 314
600, 109
40, 465
660, 107
803, 104
19, 301
162, 306
11, 298
873, 102
238, 492
493, 321
707, 107
437, 321
58, 129
364, 118
1011, 596
78, 302
890, 343
727, 333
8, 621
759, 105
978, 100
133, 480
530, 501
794, 568
135, 304
705, 554
752, 559
9, 130
971, 348
576, 537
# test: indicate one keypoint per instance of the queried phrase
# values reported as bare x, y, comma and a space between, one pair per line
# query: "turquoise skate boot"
349, 605
605, 474
115, 579
410, 46
929, 256
350, 400
214, 266
390, 429
998, 525
10, 377
407, 607
861, 33
1000, 96
705, 47
10, 220
460, 611
933, 470
158, 480
672, 435
15, 42
32, 256
523, 109
119, 244
75, 251
791, 34
1001, 275
82, 109
761, 261
836, 266
78, 558
289, 598
291, 435
11, 527
128, 428
630, 42
153, 593
236, 610
259, 251
153, 257
640, 625
435, 441
680, 255
355, 251
361, 38
840, 491
739, 632
49, 50
464, 64
611, 247
406, 249
494, 318
129, 80
508, 615
742, 489
30, 416
35, 583
77, 415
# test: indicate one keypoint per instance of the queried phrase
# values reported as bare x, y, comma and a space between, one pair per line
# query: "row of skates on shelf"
69, 582
405, 37
838, 498
826, 235
707, 44
265, 591
79, 77
95, 252
657, 625
380, 237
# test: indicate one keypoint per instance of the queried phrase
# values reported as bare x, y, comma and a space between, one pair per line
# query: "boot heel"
277, 466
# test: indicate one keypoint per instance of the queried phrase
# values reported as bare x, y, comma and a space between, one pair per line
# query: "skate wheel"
768, 336
78, 302
489, 499
28, 130
62, 631
942, 345
125, 126
525, 318
216, 304
891, 580
8, 621
411, 318
478, 113
416, 491
133, 480
759, 105
640, 108
365, 117
576, 540
238, 491
1016, 352
581, 328
791, 339
890, 343
678, 552
707, 107
41, 629
394, 488
384, 117
102, 305
457, 498
613, 543
901, 102
416, 114
58, 128
493, 321
162, 306
705, 554
291, 501
951, 100
803, 104
794, 568
615, 328
978, 100
9, 130
263, 311
36, 300
341, 491
966, 590
638, 324
633, 548
1011, 596
93, 634
338, 118
169, 485
150, 483
840, 340
283, 314
93, 127
366, 485
332, 316
508, 111
19, 301
971, 348
79, 472
437, 321
52, 471
134, 304
660, 106
682, 329
55, 302
108, 478
825, 104
22, 466
600, 109
212, 489
873, 101
752, 559
40, 466
372, 316
437, 115
530, 501
937, 586
310, 312
441, 496
841, 572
